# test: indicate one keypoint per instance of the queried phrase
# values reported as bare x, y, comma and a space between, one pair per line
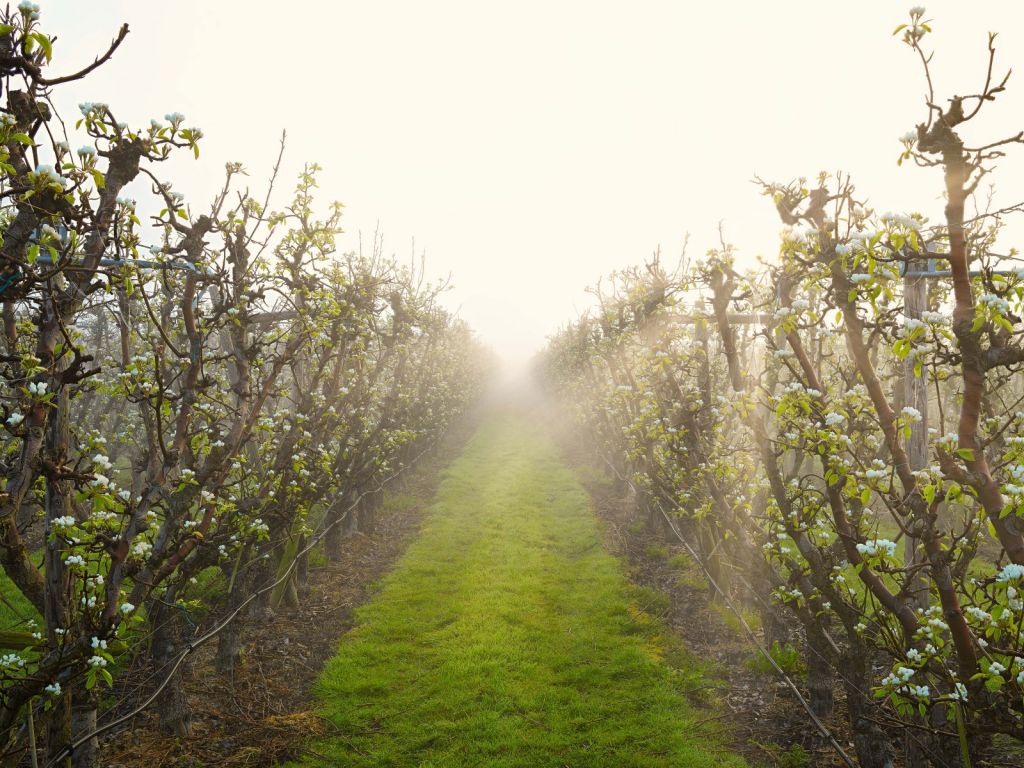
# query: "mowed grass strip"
506, 637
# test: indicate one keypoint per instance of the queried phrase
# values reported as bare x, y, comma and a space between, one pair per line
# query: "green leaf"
32, 254
45, 43
22, 138
993, 684
899, 29
966, 454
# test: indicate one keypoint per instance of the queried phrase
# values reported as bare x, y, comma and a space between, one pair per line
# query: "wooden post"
915, 303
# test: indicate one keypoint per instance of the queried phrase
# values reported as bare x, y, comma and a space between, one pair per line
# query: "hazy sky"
531, 147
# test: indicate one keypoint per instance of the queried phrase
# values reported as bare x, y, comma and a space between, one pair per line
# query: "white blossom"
46, 172
912, 413
12, 661
1011, 572
873, 548
996, 304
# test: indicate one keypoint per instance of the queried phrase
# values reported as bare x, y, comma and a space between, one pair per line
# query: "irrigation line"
824, 731
69, 749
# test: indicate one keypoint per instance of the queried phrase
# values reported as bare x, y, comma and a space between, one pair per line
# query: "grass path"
507, 636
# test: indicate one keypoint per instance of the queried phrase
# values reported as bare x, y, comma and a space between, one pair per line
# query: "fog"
526, 149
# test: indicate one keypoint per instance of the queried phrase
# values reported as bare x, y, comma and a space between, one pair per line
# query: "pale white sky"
531, 147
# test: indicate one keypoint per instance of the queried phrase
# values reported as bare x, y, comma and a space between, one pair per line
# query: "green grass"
786, 656
507, 636
15, 608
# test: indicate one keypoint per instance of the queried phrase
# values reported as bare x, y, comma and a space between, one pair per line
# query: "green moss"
750, 615
637, 526
656, 551
507, 636
681, 562
399, 502
794, 757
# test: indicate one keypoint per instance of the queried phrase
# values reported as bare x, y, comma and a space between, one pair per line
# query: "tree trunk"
820, 677
869, 741
302, 569
57, 613
229, 640
167, 642
335, 533
58, 730
83, 721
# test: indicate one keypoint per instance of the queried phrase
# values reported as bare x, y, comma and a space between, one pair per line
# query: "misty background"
530, 148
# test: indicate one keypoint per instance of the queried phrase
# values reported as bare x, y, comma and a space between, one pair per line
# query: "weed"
786, 656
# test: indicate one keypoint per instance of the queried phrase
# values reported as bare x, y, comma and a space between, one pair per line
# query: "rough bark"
167, 642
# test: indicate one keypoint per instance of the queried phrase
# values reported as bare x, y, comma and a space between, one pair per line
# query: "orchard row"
186, 399
840, 435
